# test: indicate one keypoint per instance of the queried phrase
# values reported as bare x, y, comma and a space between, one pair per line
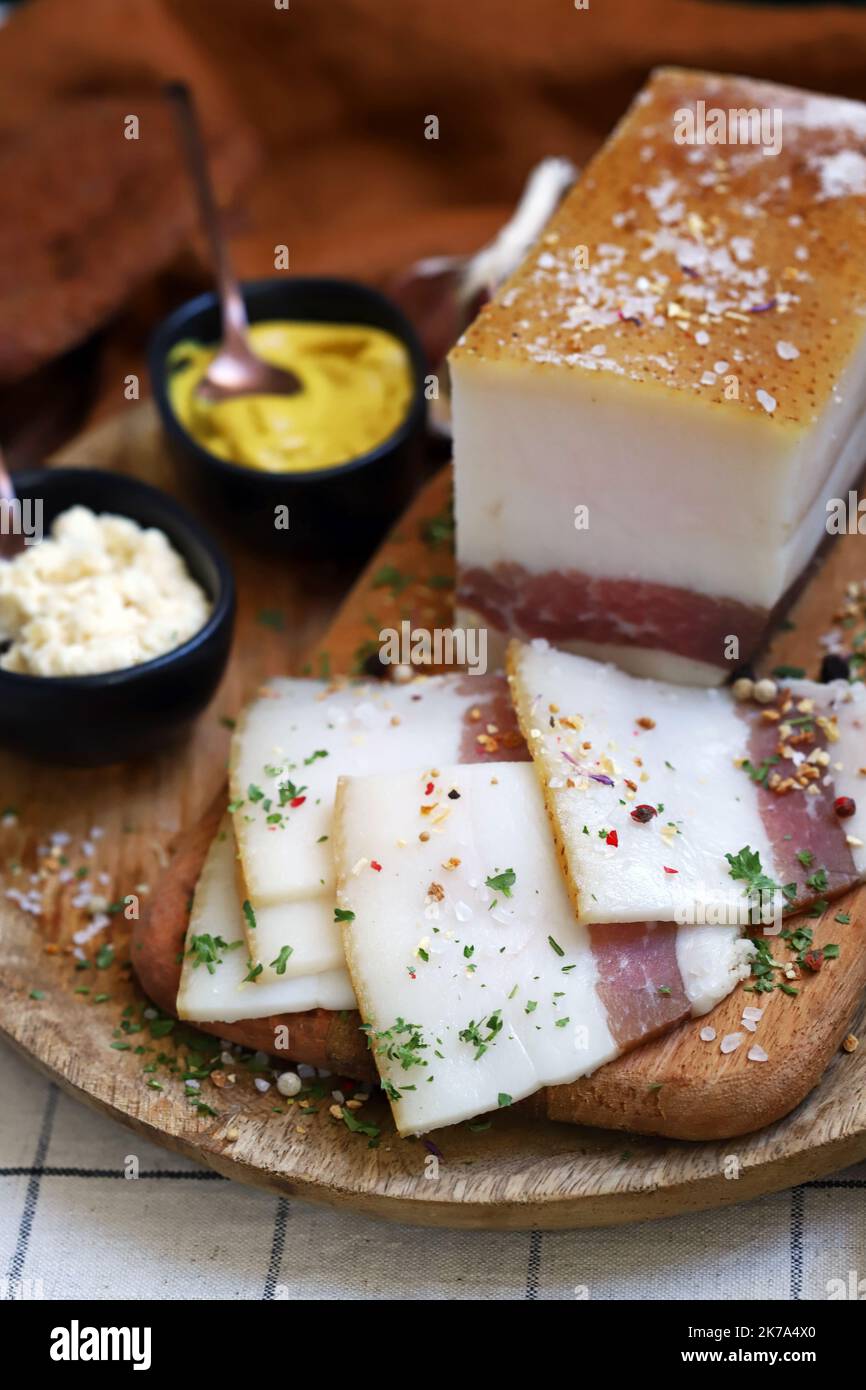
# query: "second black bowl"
351, 503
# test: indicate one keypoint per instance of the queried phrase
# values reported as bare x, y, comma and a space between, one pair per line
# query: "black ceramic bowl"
92, 720
351, 503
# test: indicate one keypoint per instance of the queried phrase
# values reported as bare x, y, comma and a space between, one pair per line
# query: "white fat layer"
305, 924
712, 961
223, 997
687, 492
654, 662
687, 767
497, 823
362, 729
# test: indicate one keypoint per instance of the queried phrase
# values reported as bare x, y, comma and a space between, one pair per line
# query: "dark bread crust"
319, 1037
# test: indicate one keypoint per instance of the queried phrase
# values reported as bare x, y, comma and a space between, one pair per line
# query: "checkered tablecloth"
73, 1227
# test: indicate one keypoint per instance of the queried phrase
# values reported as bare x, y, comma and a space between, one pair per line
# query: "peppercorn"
835, 668
844, 806
765, 691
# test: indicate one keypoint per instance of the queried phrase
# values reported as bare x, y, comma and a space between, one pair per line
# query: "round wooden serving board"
86, 1029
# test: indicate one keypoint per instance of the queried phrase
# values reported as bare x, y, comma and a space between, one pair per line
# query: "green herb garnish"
502, 883
282, 960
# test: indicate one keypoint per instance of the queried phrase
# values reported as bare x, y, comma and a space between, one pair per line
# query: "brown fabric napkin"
338, 93
90, 215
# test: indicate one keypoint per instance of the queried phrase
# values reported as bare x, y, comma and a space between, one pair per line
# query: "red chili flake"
428, 790
813, 960
297, 801
643, 813
612, 838
669, 871
374, 864
844, 806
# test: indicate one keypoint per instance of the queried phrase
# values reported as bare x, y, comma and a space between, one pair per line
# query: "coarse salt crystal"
787, 351
753, 1013
757, 1054
731, 1042
93, 928
262, 1085
766, 400
707, 1034
702, 337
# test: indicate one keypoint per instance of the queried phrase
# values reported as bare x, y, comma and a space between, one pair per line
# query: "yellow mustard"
357, 384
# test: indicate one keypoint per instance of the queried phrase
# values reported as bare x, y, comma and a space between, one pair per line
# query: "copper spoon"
11, 541
236, 370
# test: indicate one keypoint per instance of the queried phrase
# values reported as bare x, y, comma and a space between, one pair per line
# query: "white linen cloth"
72, 1227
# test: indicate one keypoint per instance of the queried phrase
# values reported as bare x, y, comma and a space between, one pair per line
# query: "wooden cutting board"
86, 1027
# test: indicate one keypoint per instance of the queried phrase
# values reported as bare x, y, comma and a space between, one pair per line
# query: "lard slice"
478, 989
605, 743
222, 996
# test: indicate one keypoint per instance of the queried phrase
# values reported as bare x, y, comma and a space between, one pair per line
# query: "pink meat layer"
639, 978
491, 733
799, 822
565, 606
639, 981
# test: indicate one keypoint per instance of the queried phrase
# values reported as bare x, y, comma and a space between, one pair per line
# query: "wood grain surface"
87, 1025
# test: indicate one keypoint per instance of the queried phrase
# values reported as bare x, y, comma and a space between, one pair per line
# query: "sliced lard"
476, 984
654, 789
289, 748
221, 993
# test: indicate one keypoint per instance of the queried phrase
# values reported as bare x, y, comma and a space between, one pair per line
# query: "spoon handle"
11, 540
7, 489
234, 314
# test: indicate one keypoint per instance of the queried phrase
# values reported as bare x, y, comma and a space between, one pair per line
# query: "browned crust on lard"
700, 254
